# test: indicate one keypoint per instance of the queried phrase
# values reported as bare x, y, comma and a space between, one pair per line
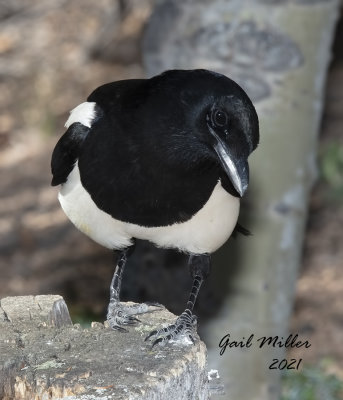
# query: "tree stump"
44, 356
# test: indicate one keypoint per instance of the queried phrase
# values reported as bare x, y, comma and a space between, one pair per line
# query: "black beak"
236, 168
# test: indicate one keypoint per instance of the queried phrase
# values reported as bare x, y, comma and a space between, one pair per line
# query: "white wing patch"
84, 113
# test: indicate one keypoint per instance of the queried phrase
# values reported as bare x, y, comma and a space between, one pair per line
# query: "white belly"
205, 232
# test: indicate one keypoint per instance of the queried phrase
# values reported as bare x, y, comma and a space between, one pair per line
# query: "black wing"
66, 152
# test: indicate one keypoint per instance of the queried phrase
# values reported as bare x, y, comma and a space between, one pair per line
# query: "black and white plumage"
161, 159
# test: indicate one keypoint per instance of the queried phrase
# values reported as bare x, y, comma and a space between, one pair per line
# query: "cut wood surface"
44, 356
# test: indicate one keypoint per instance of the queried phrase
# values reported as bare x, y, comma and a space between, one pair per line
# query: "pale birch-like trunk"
279, 52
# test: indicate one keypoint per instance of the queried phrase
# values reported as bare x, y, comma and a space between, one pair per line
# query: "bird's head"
213, 118
232, 132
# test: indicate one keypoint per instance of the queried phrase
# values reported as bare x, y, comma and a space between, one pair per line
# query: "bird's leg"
186, 323
118, 313
117, 276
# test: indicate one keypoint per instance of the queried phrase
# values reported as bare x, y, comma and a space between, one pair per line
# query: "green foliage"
311, 383
331, 168
83, 316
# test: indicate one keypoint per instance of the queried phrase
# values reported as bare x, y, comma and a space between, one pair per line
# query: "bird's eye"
220, 118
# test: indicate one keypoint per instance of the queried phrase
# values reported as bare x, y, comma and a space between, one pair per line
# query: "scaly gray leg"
119, 314
186, 323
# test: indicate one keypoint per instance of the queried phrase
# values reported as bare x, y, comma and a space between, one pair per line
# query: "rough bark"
279, 51
44, 356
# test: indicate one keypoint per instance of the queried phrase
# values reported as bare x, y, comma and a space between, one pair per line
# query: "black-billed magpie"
163, 159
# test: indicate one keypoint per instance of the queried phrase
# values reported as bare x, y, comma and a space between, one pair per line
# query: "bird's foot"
184, 326
119, 314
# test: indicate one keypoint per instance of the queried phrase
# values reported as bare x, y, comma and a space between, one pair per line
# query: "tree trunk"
278, 51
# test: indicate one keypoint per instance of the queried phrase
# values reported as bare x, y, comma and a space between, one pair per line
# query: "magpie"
163, 159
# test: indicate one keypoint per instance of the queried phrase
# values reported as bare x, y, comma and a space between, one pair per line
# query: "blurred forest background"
52, 55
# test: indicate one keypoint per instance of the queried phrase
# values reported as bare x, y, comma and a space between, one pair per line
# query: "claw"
184, 325
121, 314
157, 341
132, 320
117, 328
152, 333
